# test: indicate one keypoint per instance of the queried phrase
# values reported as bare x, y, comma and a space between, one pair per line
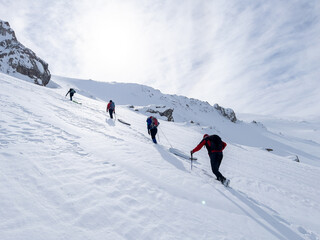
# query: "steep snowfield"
67, 171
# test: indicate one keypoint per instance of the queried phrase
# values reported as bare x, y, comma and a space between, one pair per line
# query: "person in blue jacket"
152, 124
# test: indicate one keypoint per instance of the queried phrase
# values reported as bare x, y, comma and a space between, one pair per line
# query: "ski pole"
165, 137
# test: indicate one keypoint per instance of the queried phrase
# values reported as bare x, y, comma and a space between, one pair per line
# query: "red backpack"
155, 122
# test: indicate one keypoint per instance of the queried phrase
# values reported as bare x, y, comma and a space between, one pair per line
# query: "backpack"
112, 106
152, 122
155, 122
216, 143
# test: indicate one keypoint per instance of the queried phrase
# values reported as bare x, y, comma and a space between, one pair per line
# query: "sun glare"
112, 42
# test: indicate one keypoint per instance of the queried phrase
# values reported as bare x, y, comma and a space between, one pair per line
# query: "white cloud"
259, 57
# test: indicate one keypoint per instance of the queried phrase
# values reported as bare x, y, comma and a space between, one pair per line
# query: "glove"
191, 152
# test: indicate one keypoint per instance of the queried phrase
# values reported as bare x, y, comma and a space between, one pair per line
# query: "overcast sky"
254, 56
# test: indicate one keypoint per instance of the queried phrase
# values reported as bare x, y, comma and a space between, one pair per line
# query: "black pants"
215, 159
71, 95
111, 113
153, 132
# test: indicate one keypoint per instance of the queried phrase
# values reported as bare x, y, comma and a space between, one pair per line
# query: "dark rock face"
226, 112
294, 158
167, 113
16, 59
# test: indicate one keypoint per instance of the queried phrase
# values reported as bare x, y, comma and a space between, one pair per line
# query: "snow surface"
67, 171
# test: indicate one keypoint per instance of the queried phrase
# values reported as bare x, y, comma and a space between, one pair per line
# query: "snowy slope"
69, 172
290, 128
305, 146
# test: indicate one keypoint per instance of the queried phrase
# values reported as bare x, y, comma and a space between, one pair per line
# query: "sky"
258, 57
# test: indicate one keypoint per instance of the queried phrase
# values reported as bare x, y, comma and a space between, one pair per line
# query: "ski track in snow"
70, 172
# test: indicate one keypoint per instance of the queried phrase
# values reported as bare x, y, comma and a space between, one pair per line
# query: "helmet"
110, 101
206, 135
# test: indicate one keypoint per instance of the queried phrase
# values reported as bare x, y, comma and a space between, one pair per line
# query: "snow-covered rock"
226, 112
294, 158
19, 61
167, 113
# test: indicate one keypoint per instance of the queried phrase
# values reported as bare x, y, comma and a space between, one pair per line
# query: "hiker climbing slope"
71, 92
152, 124
215, 146
111, 108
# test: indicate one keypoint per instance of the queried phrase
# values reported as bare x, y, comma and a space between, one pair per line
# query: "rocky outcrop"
17, 60
269, 149
167, 113
226, 112
259, 124
294, 158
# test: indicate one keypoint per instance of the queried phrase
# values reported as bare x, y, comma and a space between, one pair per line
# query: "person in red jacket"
111, 108
215, 146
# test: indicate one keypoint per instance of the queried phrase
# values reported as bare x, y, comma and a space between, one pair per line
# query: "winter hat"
206, 135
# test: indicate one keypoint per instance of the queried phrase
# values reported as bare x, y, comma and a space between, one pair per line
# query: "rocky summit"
19, 61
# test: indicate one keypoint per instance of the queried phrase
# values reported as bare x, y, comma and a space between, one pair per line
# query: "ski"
76, 102
120, 120
226, 182
181, 154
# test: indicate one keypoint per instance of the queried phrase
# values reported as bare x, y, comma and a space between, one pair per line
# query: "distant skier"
111, 108
152, 124
215, 146
72, 92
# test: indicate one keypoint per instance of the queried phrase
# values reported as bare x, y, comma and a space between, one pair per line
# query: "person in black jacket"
72, 92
